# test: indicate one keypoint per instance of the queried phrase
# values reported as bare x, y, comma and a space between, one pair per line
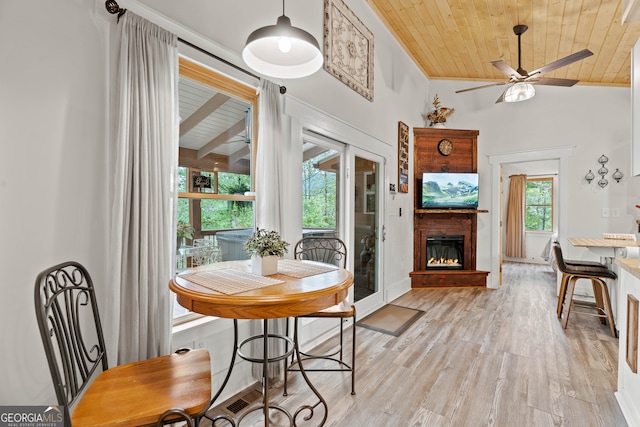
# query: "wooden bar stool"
593, 272
571, 263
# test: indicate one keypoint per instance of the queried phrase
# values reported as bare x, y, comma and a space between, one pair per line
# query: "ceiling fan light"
520, 91
282, 51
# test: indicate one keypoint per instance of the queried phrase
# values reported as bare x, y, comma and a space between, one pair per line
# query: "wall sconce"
589, 176
603, 171
617, 175
603, 159
602, 182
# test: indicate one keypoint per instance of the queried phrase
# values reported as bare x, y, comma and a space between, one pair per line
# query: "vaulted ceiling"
458, 39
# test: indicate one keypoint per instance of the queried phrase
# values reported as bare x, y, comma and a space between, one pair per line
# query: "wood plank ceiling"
212, 122
458, 39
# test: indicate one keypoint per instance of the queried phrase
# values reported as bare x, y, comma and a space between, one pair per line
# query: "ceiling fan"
521, 81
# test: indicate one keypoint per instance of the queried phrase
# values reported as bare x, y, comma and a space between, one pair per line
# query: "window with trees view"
539, 204
319, 191
218, 118
216, 213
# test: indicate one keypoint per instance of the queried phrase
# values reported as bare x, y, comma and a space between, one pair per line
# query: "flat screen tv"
449, 190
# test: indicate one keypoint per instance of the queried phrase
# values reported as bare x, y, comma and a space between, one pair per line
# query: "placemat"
299, 269
229, 281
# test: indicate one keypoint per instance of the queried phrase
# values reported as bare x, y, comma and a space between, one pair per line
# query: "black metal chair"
595, 272
328, 250
178, 386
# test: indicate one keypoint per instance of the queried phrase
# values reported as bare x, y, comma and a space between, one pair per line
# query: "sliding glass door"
322, 171
331, 171
366, 213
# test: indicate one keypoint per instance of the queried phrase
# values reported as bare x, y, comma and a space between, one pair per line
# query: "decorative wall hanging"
348, 48
437, 118
603, 171
403, 158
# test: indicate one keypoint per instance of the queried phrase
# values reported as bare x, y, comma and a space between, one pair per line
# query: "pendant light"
519, 92
282, 50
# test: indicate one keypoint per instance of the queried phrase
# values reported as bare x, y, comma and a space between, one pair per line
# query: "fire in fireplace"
445, 252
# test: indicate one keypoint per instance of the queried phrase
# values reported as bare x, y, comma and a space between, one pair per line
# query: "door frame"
561, 154
303, 117
377, 299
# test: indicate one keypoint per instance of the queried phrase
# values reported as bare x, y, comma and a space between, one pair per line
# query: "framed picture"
403, 158
348, 48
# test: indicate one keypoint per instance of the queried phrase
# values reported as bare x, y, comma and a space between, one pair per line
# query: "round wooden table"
294, 296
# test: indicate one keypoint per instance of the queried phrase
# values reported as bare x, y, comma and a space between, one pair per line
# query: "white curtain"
269, 158
516, 244
269, 207
142, 226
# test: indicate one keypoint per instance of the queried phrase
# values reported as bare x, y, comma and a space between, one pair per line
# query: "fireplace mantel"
452, 211
450, 222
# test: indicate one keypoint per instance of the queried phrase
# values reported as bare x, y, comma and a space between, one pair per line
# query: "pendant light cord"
519, 64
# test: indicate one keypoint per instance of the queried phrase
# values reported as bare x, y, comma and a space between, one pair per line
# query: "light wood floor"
478, 357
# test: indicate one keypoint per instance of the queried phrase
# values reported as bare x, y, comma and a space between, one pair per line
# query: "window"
539, 204
215, 164
320, 170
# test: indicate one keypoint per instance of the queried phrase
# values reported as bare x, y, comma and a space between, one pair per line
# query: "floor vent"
236, 404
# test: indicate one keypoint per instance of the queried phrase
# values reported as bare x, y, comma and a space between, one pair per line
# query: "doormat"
391, 319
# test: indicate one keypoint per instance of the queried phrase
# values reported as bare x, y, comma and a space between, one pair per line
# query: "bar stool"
572, 263
589, 270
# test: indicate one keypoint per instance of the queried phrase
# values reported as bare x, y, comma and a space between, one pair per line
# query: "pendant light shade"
519, 92
282, 50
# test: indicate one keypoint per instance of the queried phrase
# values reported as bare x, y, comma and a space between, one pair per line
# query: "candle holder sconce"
603, 171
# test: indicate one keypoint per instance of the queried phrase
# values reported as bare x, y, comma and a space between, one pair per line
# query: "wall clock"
445, 147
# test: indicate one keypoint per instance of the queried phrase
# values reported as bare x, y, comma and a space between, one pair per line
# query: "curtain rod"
543, 174
113, 8
538, 175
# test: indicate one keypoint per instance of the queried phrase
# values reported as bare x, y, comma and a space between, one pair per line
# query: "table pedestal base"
303, 413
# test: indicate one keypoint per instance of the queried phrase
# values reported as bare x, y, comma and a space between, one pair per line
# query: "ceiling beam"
203, 112
222, 138
244, 151
313, 152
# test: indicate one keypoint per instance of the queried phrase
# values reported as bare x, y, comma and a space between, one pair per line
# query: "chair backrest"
330, 250
203, 255
557, 251
70, 329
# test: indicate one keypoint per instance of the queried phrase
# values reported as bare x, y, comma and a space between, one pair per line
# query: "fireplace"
458, 226
445, 252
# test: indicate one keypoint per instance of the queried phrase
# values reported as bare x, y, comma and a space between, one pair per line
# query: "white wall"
53, 174
55, 162
596, 120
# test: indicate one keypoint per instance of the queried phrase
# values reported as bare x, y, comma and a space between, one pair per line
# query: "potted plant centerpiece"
183, 230
265, 247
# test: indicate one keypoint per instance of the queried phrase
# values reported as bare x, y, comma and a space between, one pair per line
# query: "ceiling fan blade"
561, 62
505, 68
550, 81
481, 87
501, 99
